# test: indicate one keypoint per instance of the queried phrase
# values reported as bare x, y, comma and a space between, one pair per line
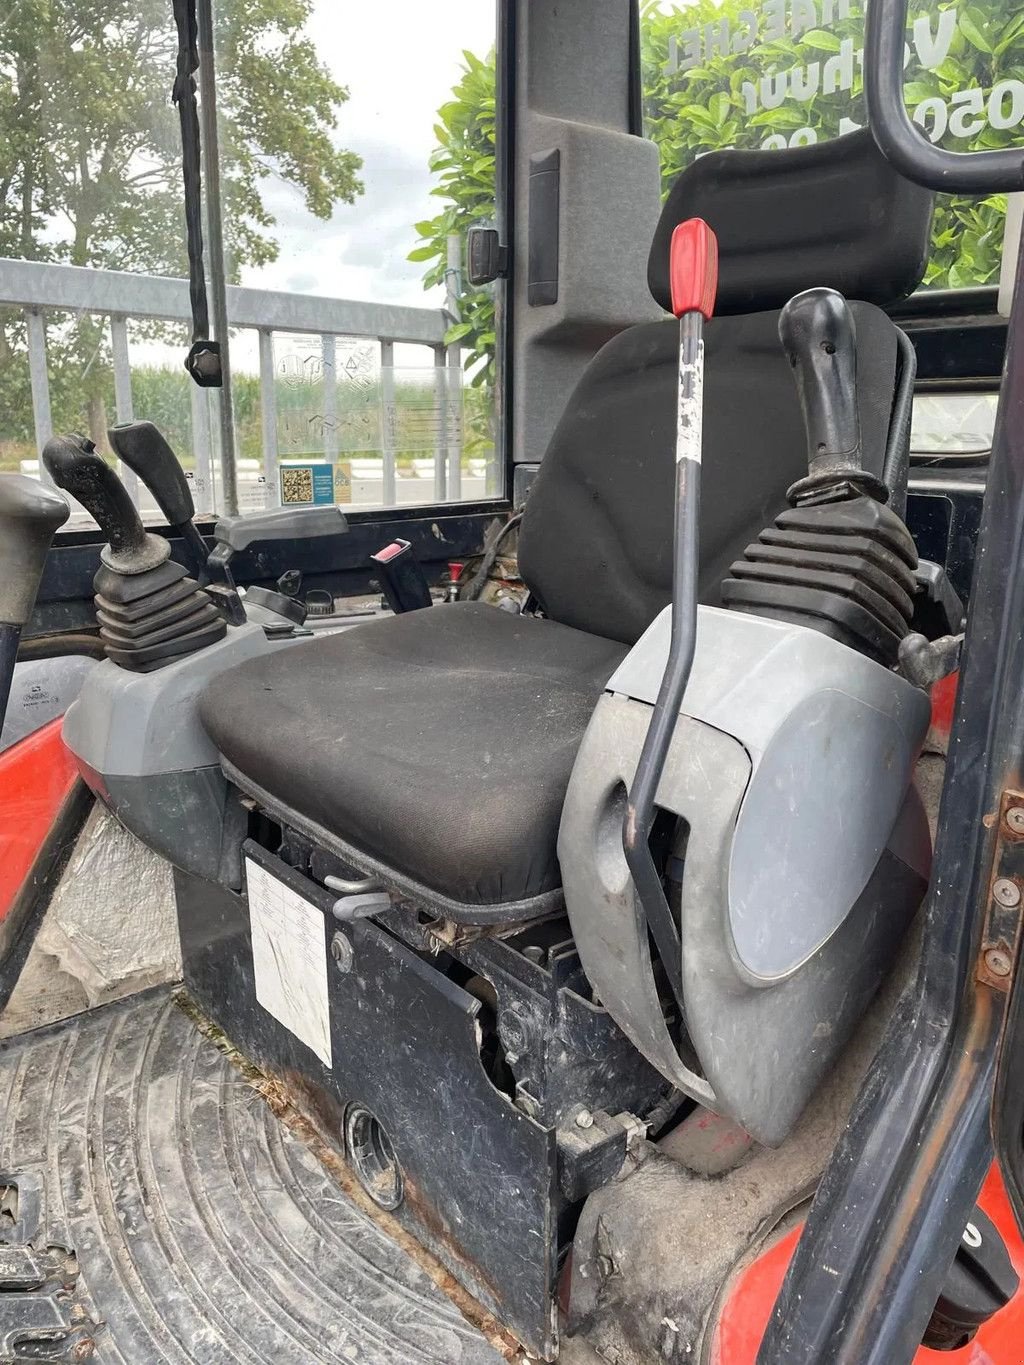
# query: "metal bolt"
512, 1032
341, 951
1015, 819
998, 962
526, 1102
1006, 892
584, 1119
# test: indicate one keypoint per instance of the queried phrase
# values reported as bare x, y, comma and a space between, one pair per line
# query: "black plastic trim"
544, 210
635, 94
505, 217
982, 301
961, 351
340, 563
1008, 1100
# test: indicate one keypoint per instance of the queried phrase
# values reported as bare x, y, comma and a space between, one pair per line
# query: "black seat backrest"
595, 543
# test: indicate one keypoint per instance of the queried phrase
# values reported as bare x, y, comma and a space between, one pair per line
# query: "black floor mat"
203, 1230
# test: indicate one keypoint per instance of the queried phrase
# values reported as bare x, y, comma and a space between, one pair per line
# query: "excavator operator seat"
433, 749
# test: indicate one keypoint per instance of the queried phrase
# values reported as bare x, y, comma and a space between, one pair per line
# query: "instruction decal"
289, 959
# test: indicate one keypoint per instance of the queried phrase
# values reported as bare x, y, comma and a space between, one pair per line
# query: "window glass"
356, 147
951, 424
782, 73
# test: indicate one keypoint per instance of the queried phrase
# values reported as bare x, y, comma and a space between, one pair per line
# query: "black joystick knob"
75, 467
818, 334
144, 449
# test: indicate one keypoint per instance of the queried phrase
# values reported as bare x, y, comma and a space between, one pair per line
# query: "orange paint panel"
749, 1305
36, 775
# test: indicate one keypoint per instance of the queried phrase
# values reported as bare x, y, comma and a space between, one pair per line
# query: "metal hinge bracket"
1001, 933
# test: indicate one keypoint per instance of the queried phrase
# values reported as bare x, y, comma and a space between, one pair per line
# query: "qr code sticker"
296, 485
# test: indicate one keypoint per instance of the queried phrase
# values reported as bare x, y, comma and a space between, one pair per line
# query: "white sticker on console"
289, 959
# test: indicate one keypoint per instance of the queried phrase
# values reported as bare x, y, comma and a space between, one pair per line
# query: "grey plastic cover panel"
610, 202
749, 673
753, 1050
280, 523
817, 802
804, 852
832, 738
608, 924
42, 690
30, 514
136, 724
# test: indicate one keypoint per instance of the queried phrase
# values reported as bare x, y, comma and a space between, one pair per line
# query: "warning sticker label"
289, 959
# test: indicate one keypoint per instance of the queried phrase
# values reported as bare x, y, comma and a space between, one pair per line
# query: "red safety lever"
693, 268
693, 277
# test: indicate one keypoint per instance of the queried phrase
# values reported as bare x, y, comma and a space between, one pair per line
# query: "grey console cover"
832, 738
803, 855
42, 690
136, 724
140, 746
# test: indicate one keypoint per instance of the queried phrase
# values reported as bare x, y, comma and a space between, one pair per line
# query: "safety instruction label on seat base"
289, 959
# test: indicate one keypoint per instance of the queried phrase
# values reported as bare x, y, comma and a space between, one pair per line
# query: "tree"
697, 108
464, 163
90, 158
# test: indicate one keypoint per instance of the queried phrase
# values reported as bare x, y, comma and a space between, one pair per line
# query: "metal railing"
39, 288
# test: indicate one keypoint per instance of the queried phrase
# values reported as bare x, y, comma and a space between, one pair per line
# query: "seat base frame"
475, 1057
406, 889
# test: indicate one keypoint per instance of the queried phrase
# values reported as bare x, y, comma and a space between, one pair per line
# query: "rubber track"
205, 1232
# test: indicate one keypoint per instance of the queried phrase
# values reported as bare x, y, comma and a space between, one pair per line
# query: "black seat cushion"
438, 742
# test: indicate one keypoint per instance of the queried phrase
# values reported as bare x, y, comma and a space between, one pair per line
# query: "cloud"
301, 283
399, 64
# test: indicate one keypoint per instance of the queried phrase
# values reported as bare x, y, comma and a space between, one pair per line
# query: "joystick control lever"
143, 448
75, 467
29, 517
837, 560
819, 336
150, 612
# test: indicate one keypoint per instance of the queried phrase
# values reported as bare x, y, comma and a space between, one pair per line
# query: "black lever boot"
150, 612
839, 560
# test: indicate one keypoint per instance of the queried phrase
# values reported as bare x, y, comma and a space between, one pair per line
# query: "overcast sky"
399, 61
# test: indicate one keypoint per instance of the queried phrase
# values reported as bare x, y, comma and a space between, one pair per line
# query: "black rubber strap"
184, 96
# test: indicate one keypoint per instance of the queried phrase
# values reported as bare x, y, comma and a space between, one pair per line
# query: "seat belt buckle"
401, 578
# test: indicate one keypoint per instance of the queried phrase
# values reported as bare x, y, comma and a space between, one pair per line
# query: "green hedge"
689, 112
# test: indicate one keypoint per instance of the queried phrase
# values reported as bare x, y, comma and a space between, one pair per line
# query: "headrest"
834, 214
